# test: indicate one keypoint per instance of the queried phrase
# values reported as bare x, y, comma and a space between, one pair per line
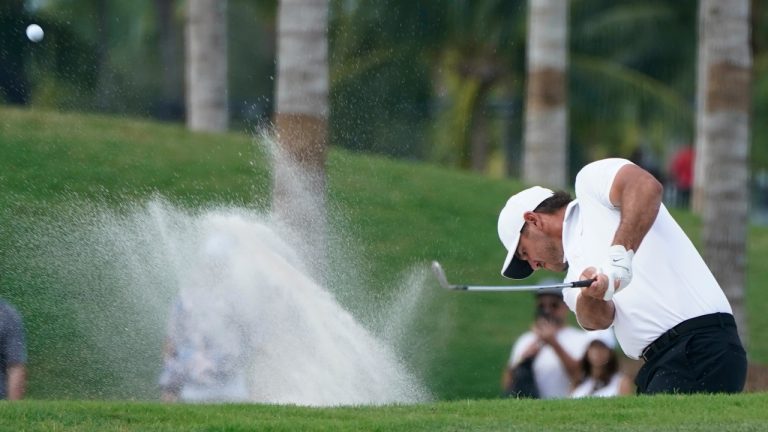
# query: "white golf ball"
35, 33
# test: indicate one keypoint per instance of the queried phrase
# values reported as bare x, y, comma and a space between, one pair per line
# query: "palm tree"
169, 105
14, 84
722, 143
206, 65
388, 55
105, 86
628, 89
301, 120
477, 47
546, 125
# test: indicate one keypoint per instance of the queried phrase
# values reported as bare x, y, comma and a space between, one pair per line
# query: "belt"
662, 342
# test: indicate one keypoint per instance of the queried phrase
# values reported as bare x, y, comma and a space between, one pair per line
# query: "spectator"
204, 358
681, 171
13, 354
600, 369
544, 362
200, 362
647, 161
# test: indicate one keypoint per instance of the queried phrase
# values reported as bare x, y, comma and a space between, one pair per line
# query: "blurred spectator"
760, 196
204, 358
544, 362
600, 368
646, 161
13, 354
200, 364
681, 171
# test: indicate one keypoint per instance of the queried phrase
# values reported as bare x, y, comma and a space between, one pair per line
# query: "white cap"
511, 222
606, 337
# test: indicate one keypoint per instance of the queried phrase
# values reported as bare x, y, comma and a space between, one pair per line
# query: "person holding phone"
544, 362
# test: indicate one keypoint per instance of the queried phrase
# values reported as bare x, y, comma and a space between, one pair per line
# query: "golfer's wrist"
621, 250
618, 266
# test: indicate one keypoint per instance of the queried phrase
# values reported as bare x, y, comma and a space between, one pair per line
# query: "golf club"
443, 280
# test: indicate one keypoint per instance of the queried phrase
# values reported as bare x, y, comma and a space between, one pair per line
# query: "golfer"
650, 284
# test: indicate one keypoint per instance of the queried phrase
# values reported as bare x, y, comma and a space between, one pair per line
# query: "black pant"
704, 360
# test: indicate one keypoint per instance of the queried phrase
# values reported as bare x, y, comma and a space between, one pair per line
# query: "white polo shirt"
551, 377
670, 282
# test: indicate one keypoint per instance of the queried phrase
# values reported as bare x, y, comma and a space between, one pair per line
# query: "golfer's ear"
532, 218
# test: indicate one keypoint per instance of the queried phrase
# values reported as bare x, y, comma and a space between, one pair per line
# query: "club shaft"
510, 288
437, 269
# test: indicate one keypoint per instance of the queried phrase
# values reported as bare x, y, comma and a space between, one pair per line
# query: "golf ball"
35, 33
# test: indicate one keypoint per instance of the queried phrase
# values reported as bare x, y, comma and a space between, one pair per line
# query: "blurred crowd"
556, 360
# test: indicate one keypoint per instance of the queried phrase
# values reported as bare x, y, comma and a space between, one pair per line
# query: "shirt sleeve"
569, 297
15, 343
595, 180
520, 346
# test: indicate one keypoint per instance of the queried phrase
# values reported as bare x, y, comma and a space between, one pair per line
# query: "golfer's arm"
17, 381
594, 314
638, 196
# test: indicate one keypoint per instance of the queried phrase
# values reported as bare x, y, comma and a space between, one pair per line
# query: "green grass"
643, 414
59, 169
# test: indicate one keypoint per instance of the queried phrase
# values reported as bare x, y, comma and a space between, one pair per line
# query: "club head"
437, 269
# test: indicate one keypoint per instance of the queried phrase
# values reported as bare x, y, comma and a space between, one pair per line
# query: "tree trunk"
169, 107
206, 65
301, 118
700, 155
546, 124
14, 85
479, 139
105, 85
724, 144
481, 71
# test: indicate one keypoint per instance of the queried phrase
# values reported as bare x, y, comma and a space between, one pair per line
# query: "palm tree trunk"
206, 65
14, 84
546, 125
169, 106
724, 144
105, 80
701, 156
479, 138
301, 121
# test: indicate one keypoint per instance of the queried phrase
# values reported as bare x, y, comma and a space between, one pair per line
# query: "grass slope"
395, 216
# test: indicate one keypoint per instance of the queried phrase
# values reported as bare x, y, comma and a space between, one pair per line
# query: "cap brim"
516, 268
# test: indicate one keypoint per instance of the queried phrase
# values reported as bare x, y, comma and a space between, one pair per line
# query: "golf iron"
443, 280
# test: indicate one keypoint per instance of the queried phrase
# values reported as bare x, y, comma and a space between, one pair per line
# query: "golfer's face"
540, 251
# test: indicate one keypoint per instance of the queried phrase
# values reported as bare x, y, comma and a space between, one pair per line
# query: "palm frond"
606, 71
352, 68
620, 18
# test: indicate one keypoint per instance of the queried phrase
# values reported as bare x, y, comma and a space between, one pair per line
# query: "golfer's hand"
618, 268
598, 288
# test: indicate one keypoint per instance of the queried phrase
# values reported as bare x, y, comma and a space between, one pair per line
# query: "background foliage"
408, 78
